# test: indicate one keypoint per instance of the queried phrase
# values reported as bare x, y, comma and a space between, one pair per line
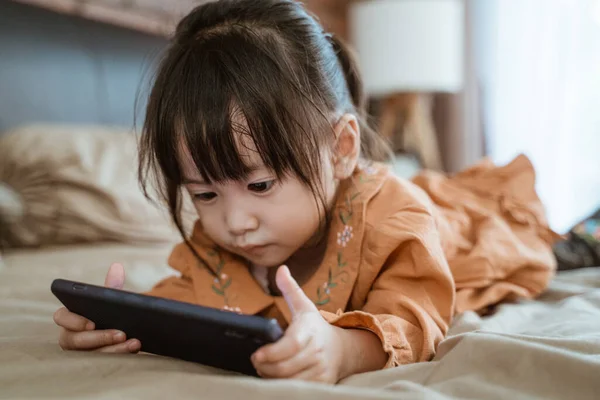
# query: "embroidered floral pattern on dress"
347, 210
336, 273
344, 236
221, 281
370, 170
366, 176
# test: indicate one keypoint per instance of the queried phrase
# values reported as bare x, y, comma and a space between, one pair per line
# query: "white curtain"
538, 62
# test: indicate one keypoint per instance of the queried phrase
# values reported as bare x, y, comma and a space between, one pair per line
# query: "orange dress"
402, 257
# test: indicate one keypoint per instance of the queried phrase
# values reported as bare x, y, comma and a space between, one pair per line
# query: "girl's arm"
410, 302
361, 352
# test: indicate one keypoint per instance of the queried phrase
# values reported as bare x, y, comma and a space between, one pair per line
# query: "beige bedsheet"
545, 349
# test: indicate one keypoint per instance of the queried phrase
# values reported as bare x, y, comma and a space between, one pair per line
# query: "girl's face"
261, 219
266, 220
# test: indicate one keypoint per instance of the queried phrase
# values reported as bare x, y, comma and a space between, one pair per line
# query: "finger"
72, 321
307, 358
295, 298
130, 346
115, 277
89, 340
293, 342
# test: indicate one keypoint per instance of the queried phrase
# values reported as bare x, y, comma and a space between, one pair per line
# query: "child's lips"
253, 248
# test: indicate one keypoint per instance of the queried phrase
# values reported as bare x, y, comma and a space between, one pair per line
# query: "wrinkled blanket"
546, 349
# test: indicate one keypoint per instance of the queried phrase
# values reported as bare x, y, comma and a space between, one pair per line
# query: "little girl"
259, 115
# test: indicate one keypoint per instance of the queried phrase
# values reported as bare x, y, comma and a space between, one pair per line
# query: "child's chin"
269, 261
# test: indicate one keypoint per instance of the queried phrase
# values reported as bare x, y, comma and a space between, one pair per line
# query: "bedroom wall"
55, 68
58, 68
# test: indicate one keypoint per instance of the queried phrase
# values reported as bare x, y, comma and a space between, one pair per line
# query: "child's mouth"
254, 249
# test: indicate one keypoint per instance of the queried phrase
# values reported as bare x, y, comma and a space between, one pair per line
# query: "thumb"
293, 294
115, 277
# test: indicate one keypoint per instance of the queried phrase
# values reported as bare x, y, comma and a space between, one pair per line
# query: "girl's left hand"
310, 349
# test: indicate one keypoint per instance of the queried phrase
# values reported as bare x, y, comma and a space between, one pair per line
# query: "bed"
547, 348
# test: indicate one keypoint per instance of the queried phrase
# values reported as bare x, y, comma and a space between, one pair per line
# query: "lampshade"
409, 45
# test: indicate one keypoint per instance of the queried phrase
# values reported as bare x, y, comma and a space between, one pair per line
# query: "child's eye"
205, 196
261, 187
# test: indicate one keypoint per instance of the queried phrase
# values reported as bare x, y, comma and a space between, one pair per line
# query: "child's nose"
240, 221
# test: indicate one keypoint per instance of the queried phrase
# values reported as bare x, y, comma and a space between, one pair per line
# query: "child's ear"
347, 146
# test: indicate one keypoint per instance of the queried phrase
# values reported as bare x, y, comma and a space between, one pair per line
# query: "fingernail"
119, 336
89, 326
133, 345
286, 270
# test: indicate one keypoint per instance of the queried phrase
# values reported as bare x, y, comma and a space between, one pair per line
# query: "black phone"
208, 336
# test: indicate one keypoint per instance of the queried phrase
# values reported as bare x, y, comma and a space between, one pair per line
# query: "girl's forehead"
245, 147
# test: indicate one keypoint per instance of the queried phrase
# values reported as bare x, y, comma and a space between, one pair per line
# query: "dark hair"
268, 60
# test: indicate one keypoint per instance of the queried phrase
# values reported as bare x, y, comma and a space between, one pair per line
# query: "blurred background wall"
59, 68
529, 78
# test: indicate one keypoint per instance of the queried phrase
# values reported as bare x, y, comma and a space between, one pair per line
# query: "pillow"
11, 211
69, 184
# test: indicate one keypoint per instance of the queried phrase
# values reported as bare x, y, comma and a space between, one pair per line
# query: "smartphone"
170, 328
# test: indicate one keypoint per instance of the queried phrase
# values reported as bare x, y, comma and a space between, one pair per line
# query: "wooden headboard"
159, 17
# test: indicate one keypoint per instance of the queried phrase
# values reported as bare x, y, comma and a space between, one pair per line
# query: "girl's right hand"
78, 333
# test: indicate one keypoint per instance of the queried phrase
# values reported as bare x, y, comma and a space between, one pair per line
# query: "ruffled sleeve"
409, 303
